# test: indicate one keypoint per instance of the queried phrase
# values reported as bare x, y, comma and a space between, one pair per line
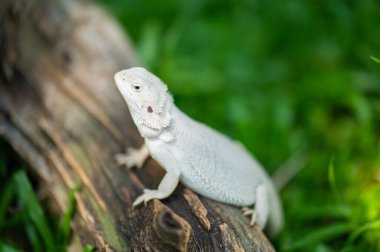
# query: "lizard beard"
159, 117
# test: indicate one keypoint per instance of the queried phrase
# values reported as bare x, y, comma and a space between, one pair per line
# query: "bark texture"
60, 110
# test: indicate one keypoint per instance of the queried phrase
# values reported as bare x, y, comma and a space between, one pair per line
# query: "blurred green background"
289, 79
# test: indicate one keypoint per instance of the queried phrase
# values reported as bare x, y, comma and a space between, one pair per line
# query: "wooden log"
60, 110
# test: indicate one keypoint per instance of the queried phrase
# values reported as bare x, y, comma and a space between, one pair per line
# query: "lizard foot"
147, 196
249, 211
133, 157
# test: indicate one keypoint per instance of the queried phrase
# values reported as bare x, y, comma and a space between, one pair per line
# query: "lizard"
194, 154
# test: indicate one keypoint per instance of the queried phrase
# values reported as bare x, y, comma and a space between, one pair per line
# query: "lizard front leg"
167, 184
133, 157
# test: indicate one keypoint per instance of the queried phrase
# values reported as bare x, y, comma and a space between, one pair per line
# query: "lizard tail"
276, 216
289, 169
280, 179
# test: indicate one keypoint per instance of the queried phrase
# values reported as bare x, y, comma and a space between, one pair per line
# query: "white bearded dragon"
201, 158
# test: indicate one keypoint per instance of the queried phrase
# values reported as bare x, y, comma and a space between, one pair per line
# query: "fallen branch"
60, 110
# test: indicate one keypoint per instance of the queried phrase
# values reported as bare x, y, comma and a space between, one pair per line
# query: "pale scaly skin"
201, 158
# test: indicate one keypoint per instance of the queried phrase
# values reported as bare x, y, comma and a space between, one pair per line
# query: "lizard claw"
253, 218
248, 211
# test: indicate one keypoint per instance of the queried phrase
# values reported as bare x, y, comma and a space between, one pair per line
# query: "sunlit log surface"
61, 112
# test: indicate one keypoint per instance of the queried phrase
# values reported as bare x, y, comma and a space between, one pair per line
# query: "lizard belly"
216, 167
240, 194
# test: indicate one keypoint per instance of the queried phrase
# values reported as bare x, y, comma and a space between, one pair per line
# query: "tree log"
61, 112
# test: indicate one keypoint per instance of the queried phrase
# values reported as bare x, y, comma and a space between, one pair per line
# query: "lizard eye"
136, 87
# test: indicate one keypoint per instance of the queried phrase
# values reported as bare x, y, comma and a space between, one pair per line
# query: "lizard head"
146, 96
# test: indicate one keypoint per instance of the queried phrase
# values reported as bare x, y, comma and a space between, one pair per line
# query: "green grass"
280, 76
24, 226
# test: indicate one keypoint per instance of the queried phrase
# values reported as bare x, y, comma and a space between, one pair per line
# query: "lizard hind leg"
260, 212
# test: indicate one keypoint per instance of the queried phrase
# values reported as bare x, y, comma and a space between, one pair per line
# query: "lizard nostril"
150, 110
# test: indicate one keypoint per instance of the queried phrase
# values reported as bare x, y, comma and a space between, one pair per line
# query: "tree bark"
60, 110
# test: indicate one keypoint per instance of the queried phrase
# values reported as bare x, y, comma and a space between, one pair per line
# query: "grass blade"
8, 248
5, 200
68, 215
33, 238
331, 174
88, 248
367, 227
375, 59
321, 235
29, 201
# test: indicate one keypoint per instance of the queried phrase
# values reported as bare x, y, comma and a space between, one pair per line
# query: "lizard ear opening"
150, 110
